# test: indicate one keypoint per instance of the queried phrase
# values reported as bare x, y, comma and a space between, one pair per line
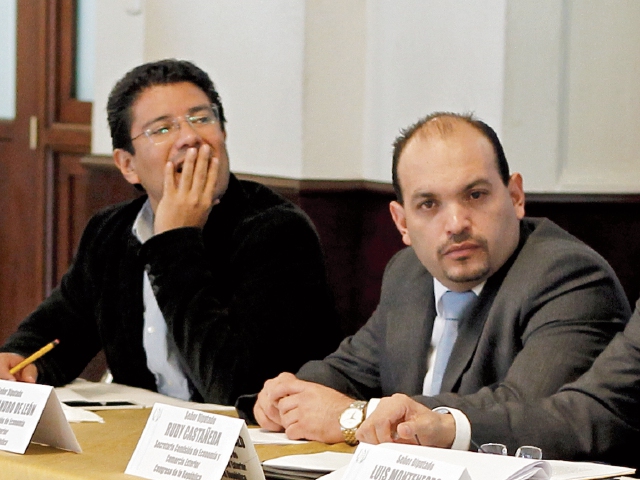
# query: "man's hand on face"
9, 360
187, 202
401, 419
304, 410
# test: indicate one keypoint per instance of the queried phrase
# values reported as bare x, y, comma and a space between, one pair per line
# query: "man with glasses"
198, 289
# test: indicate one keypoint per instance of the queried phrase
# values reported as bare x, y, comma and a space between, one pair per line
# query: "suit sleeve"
65, 315
593, 418
355, 368
236, 329
572, 309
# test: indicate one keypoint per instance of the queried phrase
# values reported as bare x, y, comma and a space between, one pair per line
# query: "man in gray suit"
540, 305
594, 418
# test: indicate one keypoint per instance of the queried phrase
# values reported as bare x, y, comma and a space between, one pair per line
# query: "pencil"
32, 358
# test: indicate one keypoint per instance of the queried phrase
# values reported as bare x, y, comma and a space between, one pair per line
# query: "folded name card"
32, 413
184, 443
377, 462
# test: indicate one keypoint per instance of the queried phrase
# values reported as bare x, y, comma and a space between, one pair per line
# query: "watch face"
351, 417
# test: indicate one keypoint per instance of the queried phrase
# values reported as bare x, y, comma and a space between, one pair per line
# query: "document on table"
482, 466
80, 415
260, 436
585, 470
109, 396
305, 466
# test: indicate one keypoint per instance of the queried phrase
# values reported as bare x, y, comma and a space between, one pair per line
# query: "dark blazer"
539, 323
241, 297
595, 418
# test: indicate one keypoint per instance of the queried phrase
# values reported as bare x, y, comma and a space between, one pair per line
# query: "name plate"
194, 445
376, 462
31, 412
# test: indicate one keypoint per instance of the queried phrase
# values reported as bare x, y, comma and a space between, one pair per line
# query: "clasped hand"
188, 201
303, 410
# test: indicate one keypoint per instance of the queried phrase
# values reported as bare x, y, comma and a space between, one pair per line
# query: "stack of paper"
483, 466
585, 471
309, 466
479, 466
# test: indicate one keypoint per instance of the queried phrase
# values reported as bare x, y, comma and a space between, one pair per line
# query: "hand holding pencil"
15, 367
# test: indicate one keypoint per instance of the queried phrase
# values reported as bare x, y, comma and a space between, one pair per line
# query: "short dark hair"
446, 127
163, 72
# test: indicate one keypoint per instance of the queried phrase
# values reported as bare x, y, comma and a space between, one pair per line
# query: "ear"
400, 219
125, 163
516, 192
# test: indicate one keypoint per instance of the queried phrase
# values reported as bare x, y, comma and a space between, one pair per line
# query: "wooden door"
43, 144
22, 182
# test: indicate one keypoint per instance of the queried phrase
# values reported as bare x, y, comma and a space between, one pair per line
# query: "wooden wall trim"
65, 136
310, 186
583, 197
306, 186
98, 161
278, 183
336, 186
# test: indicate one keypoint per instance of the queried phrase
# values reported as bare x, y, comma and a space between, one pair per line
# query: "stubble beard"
467, 273
476, 275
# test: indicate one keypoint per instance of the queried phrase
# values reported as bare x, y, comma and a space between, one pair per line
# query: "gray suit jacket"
539, 323
595, 418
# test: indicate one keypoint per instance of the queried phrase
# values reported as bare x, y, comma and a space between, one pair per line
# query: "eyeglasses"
533, 453
167, 129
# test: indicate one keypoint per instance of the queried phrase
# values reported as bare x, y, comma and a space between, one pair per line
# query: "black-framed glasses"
167, 129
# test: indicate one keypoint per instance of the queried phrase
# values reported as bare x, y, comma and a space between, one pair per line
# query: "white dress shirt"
162, 353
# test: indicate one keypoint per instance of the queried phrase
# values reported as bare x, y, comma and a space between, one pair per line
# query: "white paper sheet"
323, 461
82, 390
79, 415
265, 437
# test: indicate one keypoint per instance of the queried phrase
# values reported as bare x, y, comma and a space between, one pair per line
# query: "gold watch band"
349, 433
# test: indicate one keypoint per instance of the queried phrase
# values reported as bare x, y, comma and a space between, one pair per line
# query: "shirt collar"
143, 225
439, 289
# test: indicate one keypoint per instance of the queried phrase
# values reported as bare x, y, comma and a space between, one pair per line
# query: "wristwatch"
351, 419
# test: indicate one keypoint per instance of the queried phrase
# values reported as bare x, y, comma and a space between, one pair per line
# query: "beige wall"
320, 88
572, 94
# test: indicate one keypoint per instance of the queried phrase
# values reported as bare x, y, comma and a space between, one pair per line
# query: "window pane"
8, 59
85, 49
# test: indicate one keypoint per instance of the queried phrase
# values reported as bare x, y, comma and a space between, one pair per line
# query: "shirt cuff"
372, 405
462, 440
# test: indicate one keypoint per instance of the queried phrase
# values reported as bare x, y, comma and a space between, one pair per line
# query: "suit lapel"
420, 340
409, 331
